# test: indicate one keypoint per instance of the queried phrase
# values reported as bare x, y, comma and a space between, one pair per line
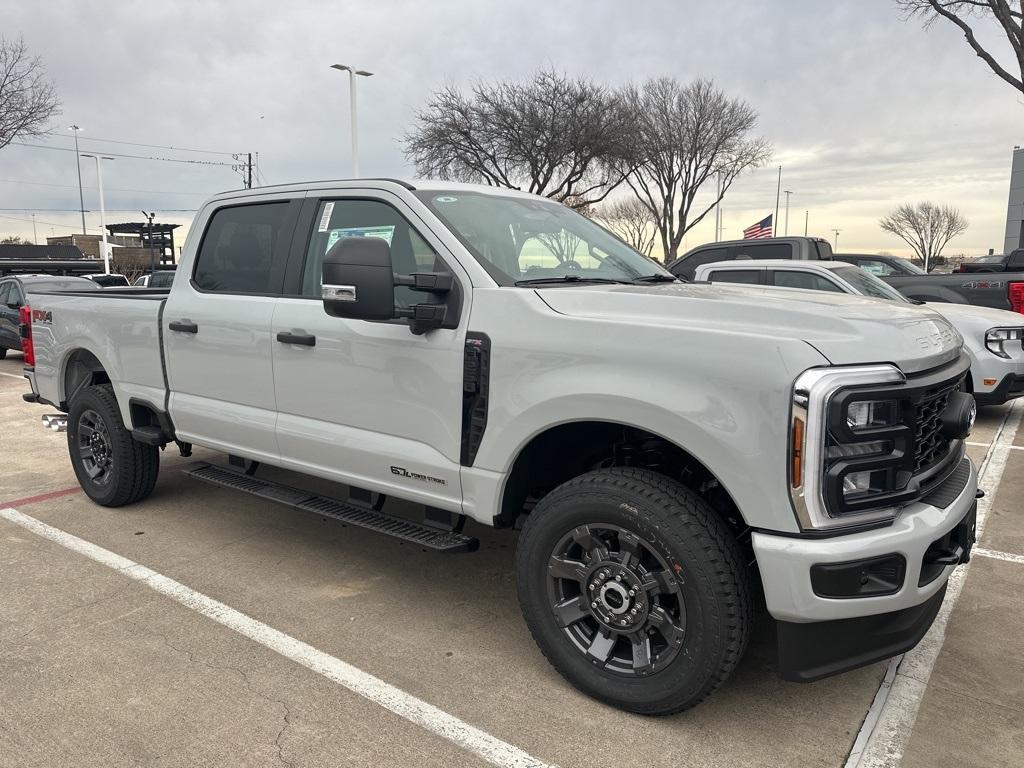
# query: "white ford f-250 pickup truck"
670, 451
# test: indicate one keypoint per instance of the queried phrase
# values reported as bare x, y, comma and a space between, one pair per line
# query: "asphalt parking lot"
99, 668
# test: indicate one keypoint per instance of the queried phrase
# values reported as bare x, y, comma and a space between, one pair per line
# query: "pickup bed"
670, 452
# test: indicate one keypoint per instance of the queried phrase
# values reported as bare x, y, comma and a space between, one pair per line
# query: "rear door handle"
302, 339
183, 326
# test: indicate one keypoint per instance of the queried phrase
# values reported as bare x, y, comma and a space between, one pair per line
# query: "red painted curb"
41, 497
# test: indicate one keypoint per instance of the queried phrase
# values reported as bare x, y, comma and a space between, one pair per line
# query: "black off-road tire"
679, 529
133, 466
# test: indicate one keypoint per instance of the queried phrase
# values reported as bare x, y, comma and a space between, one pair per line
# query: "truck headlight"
847, 447
998, 339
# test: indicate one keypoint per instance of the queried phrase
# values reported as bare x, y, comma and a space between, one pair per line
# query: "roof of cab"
379, 183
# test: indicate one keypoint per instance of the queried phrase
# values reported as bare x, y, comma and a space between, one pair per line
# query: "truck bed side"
118, 329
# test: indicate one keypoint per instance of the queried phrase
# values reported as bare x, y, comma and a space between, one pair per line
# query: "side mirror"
14, 305
359, 282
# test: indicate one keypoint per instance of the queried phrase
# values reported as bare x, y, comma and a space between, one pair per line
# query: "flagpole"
778, 192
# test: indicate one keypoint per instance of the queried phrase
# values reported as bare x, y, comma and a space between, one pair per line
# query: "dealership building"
1015, 209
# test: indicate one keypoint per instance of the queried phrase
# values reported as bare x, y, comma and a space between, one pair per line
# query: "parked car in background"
993, 338
1006, 292
1008, 262
12, 300
109, 281
160, 279
764, 248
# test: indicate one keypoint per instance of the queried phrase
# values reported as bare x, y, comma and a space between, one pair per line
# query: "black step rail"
346, 512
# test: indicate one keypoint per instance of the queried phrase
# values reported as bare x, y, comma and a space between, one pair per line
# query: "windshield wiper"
570, 279
657, 278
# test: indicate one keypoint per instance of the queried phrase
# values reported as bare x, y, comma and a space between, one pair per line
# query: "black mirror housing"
358, 279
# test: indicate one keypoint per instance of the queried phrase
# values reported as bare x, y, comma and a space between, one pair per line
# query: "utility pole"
152, 257
352, 102
787, 193
718, 207
807, 218
78, 165
105, 255
35, 237
248, 177
836, 246
778, 189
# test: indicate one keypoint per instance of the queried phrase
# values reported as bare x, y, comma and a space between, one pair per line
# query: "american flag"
763, 228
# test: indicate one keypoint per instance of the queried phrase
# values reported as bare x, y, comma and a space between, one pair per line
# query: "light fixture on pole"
835, 247
78, 165
152, 257
787, 193
103, 212
352, 99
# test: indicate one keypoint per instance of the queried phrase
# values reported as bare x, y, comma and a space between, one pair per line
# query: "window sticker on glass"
446, 199
384, 233
326, 217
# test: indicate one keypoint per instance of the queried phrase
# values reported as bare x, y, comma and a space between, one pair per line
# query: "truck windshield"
868, 285
529, 241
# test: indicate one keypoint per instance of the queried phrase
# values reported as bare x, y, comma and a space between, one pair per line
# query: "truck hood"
967, 318
845, 329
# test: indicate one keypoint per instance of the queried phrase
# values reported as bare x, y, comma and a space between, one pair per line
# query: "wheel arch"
81, 368
565, 450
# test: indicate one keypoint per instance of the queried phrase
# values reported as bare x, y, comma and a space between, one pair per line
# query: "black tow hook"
979, 494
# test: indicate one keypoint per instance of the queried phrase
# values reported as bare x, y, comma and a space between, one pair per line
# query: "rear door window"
244, 249
5, 293
756, 250
745, 276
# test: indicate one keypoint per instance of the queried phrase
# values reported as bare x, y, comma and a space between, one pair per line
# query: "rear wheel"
112, 468
634, 590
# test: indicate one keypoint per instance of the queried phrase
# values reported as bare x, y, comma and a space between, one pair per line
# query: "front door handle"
184, 326
302, 339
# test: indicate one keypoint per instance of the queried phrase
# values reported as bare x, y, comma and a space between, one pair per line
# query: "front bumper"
1008, 388
785, 561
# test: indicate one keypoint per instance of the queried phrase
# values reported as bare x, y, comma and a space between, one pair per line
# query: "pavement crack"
194, 659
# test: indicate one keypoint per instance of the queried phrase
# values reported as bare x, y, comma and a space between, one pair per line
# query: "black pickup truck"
1005, 291
1007, 262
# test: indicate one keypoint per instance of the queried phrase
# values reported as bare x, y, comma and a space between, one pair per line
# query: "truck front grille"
930, 445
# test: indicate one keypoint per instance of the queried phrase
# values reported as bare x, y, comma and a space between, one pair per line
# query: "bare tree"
686, 136
974, 16
632, 221
925, 227
27, 99
14, 240
553, 136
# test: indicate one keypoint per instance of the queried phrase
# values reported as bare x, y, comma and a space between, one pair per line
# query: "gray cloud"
864, 109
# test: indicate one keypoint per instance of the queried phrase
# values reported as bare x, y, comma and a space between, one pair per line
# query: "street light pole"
152, 257
103, 213
352, 102
807, 218
787, 193
78, 165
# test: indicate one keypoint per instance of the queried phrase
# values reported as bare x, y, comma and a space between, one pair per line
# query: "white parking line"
995, 554
12, 376
986, 445
890, 720
437, 721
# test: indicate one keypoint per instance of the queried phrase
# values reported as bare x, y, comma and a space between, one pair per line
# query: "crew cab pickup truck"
1007, 262
993, 338
671, 452
1002, 292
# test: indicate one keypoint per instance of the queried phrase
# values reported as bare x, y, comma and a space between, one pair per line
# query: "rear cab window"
688, 266
755, 250
244, 249
744, 276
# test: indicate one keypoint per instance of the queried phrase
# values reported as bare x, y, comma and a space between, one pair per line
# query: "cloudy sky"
864, 109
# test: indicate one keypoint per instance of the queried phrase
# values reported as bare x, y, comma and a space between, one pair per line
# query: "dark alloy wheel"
634, 589
94, 450
112, 468
616, 599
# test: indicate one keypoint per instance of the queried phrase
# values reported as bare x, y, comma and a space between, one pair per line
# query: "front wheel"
112, 468
634, 589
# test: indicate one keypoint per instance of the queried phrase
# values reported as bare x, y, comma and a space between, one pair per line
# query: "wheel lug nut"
632, 592
594, 604
618, 578
623, 622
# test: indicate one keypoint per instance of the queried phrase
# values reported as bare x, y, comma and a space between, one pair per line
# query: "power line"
108, 189
137, 144
48, 223
134, 157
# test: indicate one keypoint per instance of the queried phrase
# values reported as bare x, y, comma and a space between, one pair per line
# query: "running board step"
346, 512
